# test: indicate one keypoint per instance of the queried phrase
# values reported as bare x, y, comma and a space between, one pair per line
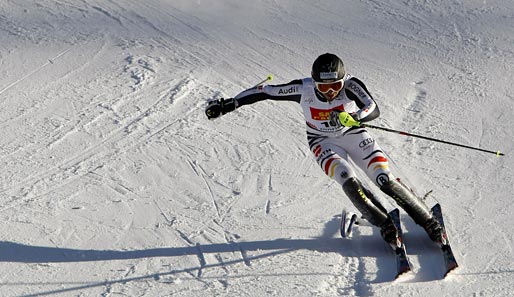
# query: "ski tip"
342, 227
394, 211
348, 219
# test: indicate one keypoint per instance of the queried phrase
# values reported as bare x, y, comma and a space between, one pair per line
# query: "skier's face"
330, 90
330, 95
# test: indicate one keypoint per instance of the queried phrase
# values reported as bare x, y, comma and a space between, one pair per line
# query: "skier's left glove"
347, 120
216, 108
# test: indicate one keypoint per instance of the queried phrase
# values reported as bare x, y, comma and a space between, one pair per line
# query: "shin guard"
365, 202
415, 207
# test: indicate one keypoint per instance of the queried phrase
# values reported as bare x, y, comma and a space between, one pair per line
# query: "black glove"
334, 118
215, 108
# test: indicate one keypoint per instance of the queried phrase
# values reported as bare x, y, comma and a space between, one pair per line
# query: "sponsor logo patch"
366, 142
328, 75
323, 114
357, 90
291, 90
382, 178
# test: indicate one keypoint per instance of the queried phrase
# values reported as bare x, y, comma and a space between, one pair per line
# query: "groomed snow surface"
114, 183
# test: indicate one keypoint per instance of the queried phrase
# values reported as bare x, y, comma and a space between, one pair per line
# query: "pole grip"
268, 78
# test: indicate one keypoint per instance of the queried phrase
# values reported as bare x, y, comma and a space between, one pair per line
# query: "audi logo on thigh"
366, 142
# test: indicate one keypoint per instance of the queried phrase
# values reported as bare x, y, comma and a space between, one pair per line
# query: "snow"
114, 183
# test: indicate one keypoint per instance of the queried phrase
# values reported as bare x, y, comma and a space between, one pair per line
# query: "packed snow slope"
114, 183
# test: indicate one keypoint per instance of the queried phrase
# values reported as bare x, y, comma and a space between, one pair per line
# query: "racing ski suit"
332, 144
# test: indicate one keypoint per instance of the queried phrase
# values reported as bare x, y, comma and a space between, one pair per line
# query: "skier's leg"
374, 199
371, 159
333, 160
414, 206
371, 209
355, 191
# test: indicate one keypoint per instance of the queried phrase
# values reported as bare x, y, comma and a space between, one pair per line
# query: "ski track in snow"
114, 183
75, 162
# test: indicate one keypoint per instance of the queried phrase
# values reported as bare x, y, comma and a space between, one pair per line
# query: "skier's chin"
330, 97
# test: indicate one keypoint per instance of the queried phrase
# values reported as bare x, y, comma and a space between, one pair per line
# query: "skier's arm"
356, 91
286, 92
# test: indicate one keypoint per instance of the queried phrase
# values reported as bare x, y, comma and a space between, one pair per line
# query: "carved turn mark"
141, 69
184, 237
267, 208
50, 61
420, 101
107, 14
169, 221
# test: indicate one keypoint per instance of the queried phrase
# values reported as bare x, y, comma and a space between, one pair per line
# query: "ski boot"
435, 231
389, 233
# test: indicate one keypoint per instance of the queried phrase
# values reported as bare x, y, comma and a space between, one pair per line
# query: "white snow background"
114, 183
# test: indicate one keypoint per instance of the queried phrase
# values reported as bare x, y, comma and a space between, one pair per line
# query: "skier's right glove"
216, 108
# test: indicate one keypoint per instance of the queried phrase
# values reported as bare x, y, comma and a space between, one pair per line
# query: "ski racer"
334, 104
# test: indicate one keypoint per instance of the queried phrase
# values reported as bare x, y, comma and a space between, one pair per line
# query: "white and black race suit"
332, 143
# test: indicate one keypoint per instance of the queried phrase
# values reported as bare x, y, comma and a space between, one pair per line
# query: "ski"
348, 219
402, 261
449, 259
403, 266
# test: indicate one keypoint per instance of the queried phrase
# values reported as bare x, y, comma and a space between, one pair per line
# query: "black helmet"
327, 68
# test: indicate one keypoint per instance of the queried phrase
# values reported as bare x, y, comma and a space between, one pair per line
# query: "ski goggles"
335, 86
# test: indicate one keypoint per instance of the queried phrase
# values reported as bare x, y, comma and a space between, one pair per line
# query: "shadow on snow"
361, 246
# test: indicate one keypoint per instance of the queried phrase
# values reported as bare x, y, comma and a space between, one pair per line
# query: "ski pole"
269, 77
497, 153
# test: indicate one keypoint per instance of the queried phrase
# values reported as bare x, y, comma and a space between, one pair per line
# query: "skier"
334, 104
